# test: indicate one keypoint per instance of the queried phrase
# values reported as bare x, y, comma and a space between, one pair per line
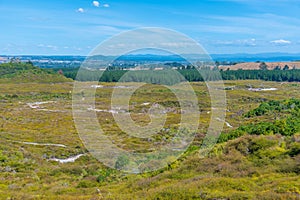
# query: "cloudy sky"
75, 27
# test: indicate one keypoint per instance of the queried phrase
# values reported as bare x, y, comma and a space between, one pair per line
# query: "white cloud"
96, 3
51, 46
81, 10
281, 42
178, 44
244, 42
48, 46
106, 5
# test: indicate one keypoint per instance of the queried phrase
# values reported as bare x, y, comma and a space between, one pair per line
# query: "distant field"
255, 65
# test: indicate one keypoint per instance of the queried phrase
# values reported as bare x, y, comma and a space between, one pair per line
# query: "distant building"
3, 60
158, 68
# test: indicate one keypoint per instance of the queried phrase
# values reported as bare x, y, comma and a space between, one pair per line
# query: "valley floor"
43, 157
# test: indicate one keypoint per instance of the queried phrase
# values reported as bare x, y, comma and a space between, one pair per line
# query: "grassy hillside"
26, 72
36, 126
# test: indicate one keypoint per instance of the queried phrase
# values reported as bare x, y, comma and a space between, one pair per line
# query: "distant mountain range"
75, 61
265, 57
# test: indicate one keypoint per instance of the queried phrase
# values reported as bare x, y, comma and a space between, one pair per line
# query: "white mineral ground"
67, 160
262, 89
107, 111
114, 87
36, 105
227, 124
41, 144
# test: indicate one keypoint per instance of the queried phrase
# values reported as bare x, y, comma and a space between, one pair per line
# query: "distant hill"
264, 57
76, 61
26, 72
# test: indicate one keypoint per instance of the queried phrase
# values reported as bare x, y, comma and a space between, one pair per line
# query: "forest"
191, 75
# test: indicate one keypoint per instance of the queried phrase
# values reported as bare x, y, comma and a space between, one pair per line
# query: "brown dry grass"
254, 65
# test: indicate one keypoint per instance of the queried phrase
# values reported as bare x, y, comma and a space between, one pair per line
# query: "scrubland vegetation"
26, 73
257, 157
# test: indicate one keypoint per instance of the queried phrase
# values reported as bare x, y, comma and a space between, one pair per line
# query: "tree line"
171, 77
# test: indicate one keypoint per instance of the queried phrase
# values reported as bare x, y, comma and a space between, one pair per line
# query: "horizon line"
260, 53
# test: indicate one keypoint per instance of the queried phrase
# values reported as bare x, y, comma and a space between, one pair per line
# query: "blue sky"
75, 27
